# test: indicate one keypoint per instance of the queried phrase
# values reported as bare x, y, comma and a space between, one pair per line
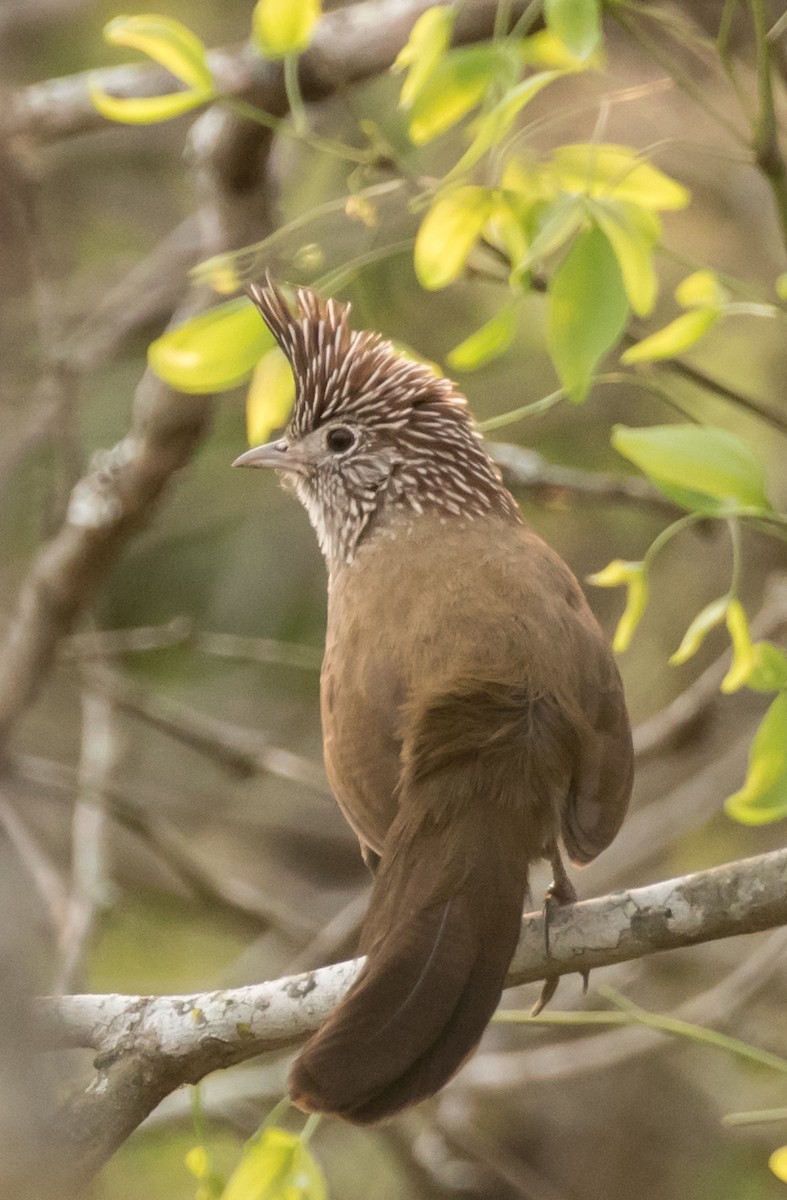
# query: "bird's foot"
560, 892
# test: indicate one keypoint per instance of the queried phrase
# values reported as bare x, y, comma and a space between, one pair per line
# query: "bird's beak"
273, 454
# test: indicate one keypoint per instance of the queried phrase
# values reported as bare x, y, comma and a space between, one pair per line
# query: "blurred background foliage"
229, 553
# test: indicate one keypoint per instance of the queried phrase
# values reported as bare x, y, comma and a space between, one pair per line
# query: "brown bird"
472, 712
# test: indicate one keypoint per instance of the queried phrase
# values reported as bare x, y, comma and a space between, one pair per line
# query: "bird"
473, 715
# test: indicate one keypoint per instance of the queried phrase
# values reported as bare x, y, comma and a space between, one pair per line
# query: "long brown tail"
439, 935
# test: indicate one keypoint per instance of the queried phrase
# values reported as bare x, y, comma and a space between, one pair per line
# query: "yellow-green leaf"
507, 229
742, 648
488, 342
456, 85
702, 468
270, 396
634, 576
283, 27
494, 125
763, 797
632, 232
428, 41
769, 668
711, 616
778, 1163
577, 23
557, 222
593, 169
680, 335
587, 311
144, 110
276, 1165
448, 233
167, 42
702, 289
544, 49
212, 352
781, 286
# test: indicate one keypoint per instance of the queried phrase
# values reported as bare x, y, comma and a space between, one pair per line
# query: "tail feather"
438, 945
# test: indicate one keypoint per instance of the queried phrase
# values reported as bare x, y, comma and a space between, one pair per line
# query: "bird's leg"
560, 891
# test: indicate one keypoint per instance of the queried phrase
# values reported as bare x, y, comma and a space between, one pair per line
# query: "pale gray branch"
148, 1045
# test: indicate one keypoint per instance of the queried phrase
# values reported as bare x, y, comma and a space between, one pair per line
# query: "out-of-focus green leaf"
634, 576
557, 222
781, 286
276, 1165
742, 648
212, 352
211, 1185
508, 230
577, 23
448, 233
428, 41
494, 125
703, 469
488, 342
702, 289
763, 797
587, 311
593, 169
270, 396
283, 27
632, 232
711, 616
677, 337
769, 668
167, 42
544, 49
456, 85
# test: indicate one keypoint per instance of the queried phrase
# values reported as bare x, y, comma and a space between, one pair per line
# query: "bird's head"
372, 433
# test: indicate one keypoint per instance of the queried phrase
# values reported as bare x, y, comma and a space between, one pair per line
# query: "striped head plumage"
372, 433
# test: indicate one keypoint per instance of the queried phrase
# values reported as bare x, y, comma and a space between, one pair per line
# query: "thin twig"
767, 151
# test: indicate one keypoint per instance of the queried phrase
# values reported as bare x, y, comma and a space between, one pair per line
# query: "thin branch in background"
242, 751
767, 151
338, 935
47, 878
140, 813
102, 745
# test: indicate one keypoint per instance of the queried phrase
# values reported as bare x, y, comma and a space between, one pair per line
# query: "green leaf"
632, 233
456, 85
680, 335
448, 233
283, 27
544, 49
577, 23
428, 41
270, 397
276, 1165
167, 42
494, 125
634, 576
711, 616
703, 469
763, 797
702, 289
769, 668
488, 342
212, 352
557, 222
587, 311
593, 169
781, 286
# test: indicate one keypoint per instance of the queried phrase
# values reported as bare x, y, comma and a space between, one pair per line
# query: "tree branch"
149, 1045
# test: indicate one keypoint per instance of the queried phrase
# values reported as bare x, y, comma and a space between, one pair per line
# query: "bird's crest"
343, 372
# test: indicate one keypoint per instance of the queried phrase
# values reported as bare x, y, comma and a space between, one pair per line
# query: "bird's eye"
339, 438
